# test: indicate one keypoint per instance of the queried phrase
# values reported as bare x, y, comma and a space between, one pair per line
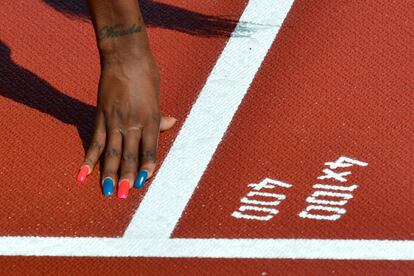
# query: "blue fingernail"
108, 186
139, 182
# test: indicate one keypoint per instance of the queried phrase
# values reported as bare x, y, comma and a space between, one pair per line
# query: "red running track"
336, 82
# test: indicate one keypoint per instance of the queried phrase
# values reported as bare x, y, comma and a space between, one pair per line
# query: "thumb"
167, 122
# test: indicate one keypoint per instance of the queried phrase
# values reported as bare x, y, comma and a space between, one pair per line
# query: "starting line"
210, 248
148, 234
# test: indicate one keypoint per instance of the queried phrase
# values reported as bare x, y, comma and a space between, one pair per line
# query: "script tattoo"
117, 30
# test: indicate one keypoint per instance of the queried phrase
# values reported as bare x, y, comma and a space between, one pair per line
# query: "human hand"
127, 122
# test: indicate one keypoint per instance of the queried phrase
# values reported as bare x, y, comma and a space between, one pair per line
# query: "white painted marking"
331, 174
208, 120
247, 200
210, 248
239, 215
338, 212
344, 162
314, 198
269, 183
334, 187
270, 211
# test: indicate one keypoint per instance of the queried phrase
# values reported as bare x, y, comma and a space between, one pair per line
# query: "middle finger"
112, 160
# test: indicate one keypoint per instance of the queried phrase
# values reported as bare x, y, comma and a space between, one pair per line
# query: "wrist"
127, 60
117, 52
123, 52
117, 39
123, 45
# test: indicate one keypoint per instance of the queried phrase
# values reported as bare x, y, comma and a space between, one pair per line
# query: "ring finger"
129, 163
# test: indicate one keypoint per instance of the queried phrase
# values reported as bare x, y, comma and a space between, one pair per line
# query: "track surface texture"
292, 154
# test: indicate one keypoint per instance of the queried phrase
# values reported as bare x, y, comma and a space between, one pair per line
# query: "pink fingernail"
123, 188
83, 172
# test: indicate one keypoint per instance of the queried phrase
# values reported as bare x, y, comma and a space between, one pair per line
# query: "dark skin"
128, 119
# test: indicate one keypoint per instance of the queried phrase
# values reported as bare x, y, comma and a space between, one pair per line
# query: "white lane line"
210, 248
208, 120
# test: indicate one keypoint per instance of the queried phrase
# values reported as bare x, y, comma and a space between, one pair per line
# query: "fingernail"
123, 188
139, 182
83, 172
108, 186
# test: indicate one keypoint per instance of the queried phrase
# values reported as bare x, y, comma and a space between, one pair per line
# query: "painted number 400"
325, 203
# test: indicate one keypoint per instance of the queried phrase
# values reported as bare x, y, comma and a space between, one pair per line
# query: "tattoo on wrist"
117, 30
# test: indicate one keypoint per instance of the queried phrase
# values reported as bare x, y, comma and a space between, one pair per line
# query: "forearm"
119, 28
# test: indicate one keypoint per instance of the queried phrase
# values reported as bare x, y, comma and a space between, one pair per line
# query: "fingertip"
123, 188
83, 172
143, 175
108, 186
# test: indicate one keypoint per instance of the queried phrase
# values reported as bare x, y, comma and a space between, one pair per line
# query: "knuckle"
111, 152
95, 145
115, 113
117, 131
149, 156
108, 111
108, 172
127, 175
89, 161
129, 158
135, 127
155, 118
